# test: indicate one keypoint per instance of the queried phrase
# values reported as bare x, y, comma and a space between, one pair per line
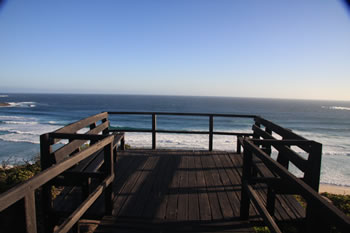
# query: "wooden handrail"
316, 203
210, 131
18, 192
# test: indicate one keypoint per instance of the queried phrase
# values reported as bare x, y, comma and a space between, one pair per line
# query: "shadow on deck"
182, 191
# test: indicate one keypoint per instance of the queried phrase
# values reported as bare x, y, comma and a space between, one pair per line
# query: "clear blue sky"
277, 49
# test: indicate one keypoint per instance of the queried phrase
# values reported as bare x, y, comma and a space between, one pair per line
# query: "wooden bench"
79, 181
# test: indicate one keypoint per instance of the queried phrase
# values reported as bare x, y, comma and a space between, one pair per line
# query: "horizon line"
169, 95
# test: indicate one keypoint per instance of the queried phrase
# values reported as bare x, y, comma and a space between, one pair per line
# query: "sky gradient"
271, 49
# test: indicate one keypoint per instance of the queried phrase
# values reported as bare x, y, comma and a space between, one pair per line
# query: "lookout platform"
92, 179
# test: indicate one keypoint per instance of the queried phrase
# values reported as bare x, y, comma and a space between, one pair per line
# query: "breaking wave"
22, 104
337, 108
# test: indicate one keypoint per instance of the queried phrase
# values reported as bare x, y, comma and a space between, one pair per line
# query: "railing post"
211, 129
267, 148
246, 175
154, 128
238, 146
46, 162
109, 169
30, 213
281, 158
122, 143
312, 173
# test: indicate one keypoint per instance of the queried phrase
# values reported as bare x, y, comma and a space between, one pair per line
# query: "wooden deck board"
182, 187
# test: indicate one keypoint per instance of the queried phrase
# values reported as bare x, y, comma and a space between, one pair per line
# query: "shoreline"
334, 189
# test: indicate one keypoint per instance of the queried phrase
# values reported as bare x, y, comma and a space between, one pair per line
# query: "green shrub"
10, 177
342, 202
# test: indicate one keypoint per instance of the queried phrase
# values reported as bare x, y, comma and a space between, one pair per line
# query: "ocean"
30, 115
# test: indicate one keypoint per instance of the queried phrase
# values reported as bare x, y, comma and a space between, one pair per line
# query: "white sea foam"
181, 141
14, 137
3, 96
23, 129
20, 122
337, 108
22, 104
19, 118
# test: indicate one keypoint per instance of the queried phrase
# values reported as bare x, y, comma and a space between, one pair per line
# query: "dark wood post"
238, 146
109, 170
267, 149
46, 162
92, 126
312, 173
211, 129
281, 158
122, 143
30, 213
154, 128
105, 131
246, 175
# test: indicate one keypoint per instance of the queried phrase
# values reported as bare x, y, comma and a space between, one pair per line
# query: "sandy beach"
334, 189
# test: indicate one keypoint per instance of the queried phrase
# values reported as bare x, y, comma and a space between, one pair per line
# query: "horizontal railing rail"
210, 132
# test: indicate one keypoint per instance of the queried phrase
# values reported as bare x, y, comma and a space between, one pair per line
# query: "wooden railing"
210, 131
67, 160
27, 190
260, 168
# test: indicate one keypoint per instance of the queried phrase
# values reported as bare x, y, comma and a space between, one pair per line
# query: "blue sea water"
30, 115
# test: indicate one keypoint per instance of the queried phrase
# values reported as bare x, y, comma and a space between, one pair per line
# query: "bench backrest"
53, 153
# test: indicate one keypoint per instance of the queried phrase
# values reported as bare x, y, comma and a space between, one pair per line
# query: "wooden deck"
182, 191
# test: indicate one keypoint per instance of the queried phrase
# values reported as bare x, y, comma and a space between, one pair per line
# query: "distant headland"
4, 104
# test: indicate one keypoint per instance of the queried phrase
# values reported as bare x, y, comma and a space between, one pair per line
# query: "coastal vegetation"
11, 176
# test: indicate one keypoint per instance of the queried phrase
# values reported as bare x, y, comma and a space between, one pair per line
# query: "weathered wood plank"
172, 204
203, 199
229, 188
140, 191
157, 192
124, 193
225, 205
193, 207
210, 183
182, 211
